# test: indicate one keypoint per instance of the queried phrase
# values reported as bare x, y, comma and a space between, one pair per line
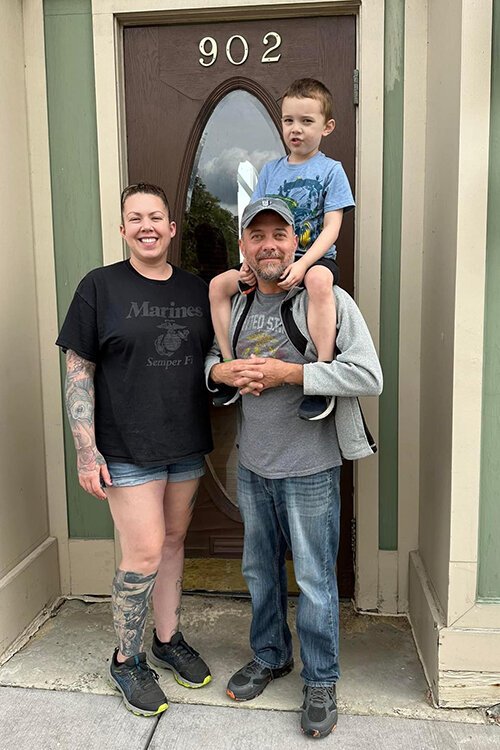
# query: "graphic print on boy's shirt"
303, 195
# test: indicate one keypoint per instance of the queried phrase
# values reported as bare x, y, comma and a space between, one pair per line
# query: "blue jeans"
301, 513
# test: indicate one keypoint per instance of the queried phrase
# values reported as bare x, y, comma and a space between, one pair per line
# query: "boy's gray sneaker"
316, 407
138, 684
225, 395
319, 711
187, 665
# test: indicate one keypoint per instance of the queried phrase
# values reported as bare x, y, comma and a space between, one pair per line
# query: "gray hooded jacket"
353, 373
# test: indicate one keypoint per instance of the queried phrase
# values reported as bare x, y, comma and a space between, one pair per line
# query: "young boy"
317, 190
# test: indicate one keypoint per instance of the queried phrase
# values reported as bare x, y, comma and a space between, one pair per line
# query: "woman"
135, 338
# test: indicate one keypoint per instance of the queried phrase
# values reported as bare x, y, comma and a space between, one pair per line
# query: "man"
289, 472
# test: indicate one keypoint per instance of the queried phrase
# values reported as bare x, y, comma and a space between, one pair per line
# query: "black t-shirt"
148, 340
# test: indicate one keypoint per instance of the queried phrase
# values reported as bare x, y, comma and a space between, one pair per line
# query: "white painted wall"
455, 216
438, 308
24, 528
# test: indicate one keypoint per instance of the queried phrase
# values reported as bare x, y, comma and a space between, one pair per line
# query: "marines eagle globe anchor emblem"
170, 341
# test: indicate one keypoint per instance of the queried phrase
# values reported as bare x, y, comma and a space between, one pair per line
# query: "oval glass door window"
238, 139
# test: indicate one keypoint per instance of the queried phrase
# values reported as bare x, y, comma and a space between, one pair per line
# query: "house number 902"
209, 49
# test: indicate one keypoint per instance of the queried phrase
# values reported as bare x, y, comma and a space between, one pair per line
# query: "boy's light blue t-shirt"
311, 189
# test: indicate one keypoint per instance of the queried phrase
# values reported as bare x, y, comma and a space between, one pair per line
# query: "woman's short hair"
143, 187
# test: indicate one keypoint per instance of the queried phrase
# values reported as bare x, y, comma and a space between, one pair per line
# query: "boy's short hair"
143, 187
310, 88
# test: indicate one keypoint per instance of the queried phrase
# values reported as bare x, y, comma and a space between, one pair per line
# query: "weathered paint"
489, 549
75, 198
390, 271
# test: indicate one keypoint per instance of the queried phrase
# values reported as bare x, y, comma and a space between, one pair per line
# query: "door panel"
176, 79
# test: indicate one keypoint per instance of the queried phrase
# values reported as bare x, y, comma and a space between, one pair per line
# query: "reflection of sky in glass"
239, 129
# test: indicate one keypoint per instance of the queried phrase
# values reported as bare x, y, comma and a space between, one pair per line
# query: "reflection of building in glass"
237, 140
195, 170
239, 129
247, 180
210, 236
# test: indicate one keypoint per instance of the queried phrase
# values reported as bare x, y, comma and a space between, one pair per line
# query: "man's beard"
271, 271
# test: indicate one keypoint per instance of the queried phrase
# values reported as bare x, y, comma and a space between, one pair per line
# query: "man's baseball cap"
266, 204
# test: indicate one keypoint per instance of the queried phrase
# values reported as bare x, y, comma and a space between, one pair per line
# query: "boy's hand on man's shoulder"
247, 276
294, 274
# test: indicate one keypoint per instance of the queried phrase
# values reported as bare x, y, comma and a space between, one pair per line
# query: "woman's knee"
174, 542
142, 558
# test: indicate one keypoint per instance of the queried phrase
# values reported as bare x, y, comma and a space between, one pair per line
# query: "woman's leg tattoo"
129, 599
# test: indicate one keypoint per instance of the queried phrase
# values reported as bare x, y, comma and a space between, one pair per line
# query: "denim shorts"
130, 475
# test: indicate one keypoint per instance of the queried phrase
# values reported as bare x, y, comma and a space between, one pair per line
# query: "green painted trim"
66, 7
390, 271
489, 518
75, 201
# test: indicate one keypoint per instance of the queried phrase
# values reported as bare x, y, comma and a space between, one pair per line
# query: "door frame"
109, 18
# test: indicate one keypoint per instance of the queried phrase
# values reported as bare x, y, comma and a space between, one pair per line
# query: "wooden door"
202, 99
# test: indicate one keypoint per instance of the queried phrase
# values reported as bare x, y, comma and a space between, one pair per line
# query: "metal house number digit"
267, 57
209, 50
228, 49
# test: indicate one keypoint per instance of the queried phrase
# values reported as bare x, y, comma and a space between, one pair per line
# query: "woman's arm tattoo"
80, 399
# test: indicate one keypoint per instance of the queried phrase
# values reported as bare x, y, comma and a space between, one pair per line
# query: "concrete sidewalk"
55, 694
381, 673
49, 720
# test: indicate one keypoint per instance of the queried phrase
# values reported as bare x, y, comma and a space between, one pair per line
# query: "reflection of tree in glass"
210, 235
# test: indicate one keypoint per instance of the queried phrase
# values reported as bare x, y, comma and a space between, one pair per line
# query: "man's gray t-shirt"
274, 442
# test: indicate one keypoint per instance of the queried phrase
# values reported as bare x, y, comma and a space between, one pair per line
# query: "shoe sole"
229, 402
130, 706
245, 288
286, 670
323, 414
177, 676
